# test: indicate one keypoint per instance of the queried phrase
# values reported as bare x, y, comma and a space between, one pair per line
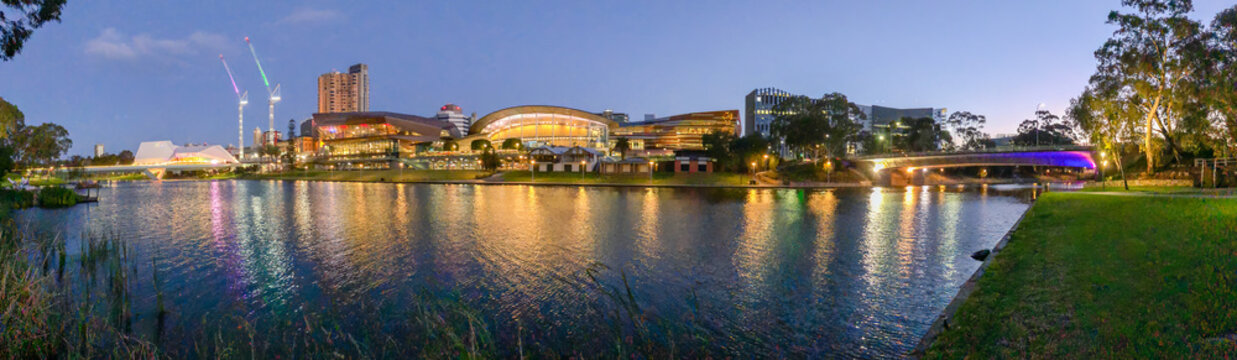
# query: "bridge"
155, 171
888, 169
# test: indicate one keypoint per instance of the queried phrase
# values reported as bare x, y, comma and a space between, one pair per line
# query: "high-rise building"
453, 114
344, 92
98, 150
257, 138
759, 109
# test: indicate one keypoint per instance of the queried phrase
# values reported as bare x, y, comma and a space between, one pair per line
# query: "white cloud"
111, 44
308, 15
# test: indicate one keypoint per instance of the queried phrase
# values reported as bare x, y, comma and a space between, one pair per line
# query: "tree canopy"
968, 129
34, 145
1045, 129
19, 18
806, 124
622, 145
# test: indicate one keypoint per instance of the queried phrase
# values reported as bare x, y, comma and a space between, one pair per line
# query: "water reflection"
788, 273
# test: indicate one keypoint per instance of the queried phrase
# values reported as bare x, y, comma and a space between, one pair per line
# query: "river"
552, 270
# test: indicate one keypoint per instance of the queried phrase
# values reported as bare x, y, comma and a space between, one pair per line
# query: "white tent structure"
165, 152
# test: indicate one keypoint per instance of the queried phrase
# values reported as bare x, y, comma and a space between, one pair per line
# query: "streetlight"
533, 168
753, 169
650, 171
766, 161
582, 164
1037, 124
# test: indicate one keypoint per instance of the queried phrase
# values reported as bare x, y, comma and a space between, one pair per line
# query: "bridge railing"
1003, 149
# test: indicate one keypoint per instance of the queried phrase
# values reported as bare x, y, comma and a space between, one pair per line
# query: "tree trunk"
1121, 168
1147, 136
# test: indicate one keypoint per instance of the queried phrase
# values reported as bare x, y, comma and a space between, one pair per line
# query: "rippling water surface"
837, 273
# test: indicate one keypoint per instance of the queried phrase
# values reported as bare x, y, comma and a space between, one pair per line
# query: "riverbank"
1088, 275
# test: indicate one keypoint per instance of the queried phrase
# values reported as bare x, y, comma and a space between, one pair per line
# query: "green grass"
1091, 276
1116, 186
374, 175
659, 178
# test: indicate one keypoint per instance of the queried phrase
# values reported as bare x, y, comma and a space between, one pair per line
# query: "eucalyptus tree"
1104, 117
1220, 82
1045, 129
19, 18
1150, 55
968, 128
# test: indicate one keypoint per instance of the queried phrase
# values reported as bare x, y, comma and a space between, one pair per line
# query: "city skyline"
154, 74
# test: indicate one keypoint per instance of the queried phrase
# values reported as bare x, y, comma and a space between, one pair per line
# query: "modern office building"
377, 136
344, 92
453, 114
879, 117
678, 132
758, 108
539, 125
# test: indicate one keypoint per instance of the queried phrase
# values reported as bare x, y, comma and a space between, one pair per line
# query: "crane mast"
242, 100
274, 95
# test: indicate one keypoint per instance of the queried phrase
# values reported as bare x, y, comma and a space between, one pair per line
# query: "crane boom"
255, 60
230, 77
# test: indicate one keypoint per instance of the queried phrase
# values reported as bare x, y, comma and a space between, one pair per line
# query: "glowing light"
255, 60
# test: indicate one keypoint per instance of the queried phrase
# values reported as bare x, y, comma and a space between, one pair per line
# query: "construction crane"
274, 93
242, 100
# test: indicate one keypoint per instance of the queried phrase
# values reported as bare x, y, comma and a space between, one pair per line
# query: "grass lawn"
1093, 276
1116, 186
374, 175
659, 178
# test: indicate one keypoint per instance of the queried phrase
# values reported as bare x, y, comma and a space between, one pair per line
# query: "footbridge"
887, 169
155, 171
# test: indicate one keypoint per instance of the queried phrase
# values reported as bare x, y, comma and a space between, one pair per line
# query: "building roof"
161, 152
427, 127
480, 125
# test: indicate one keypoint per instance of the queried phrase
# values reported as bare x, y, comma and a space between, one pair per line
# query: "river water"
551, 270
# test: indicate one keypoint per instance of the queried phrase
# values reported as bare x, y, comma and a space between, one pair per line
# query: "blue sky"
121, 74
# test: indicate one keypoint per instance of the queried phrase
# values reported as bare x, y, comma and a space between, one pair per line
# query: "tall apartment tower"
344, 92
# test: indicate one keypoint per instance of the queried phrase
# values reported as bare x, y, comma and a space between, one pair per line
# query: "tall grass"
58, 304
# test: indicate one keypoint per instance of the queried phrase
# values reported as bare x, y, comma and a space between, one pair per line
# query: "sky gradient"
119, 75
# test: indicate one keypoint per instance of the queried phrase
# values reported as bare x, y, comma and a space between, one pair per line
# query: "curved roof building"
545, 125
164, 152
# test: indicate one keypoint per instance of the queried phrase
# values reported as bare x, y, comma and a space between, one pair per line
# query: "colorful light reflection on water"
848, 273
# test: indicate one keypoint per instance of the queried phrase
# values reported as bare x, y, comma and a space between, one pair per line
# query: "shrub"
53, 197
17, 199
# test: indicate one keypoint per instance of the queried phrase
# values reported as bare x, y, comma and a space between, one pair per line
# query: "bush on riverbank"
16, 199
56, 197
1094, 276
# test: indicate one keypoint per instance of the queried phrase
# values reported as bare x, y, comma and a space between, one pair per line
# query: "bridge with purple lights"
886, 167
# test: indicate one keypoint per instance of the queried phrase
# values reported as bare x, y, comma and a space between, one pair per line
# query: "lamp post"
766, 162
650, 171
582, 164
753, 171
533, 168
1037, 124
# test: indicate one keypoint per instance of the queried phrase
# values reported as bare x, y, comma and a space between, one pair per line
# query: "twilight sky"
121, 74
